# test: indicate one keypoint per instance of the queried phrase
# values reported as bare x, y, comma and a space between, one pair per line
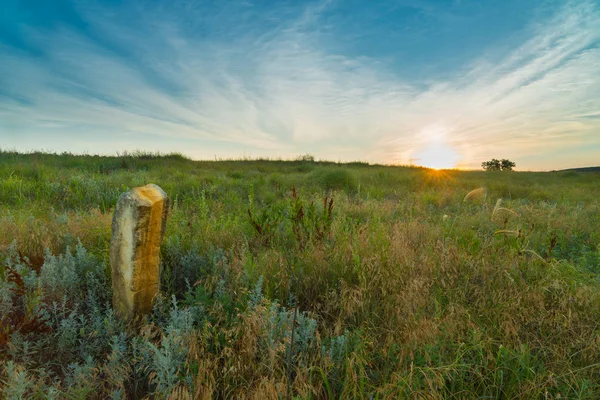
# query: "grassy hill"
583, 169
400, 282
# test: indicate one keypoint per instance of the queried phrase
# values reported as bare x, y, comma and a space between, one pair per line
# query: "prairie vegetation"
303, 279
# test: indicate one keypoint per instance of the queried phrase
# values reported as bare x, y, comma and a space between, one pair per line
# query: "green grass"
398, 286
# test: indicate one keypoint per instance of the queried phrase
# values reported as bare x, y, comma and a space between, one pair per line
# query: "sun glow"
438, 156
436, 152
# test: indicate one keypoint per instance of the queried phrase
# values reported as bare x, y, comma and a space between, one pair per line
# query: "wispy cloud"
209, 81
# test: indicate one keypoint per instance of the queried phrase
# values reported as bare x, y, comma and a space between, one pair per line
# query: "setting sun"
436, 152
437, 156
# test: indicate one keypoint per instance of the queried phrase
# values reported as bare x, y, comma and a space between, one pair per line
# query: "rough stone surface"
138, 227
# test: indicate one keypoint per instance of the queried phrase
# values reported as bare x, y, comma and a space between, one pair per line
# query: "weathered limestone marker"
138, 227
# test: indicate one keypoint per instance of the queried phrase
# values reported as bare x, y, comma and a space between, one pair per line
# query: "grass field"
398, 282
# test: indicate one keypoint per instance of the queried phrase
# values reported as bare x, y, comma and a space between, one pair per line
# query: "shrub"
309, 158
335, 178
275, 327
292, 223
498, 165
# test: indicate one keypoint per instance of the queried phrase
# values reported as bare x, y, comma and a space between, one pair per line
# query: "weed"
291, 278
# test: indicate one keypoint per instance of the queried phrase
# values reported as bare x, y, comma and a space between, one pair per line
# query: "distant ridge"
582, 169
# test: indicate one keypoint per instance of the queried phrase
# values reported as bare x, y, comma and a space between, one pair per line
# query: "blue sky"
432, 82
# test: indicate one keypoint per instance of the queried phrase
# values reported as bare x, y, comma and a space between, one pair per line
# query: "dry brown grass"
34, 235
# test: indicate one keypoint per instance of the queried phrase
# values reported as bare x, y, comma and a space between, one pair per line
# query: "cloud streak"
183, 78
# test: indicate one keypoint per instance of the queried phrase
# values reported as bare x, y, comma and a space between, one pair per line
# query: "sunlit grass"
421, 283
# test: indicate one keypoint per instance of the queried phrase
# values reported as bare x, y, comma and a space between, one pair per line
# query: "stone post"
138, 227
